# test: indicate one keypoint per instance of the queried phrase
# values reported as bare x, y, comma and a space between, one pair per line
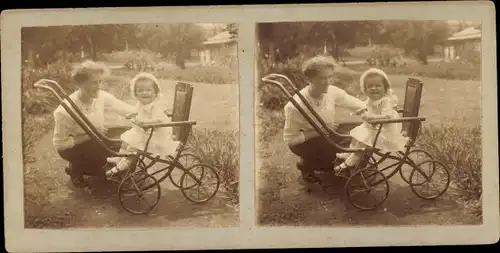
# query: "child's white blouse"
66, 127
390, 138
161, 141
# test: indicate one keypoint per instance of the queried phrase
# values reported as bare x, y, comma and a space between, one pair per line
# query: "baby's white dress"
391, 138
161, 142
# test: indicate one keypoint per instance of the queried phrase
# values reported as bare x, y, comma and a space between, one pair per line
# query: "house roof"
467, 33
220, 38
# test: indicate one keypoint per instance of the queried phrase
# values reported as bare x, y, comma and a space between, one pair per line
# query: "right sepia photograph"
368, 123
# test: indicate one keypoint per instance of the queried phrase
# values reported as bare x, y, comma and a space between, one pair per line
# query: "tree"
96, 39
233, 29
415, 37
173, 40
39, 45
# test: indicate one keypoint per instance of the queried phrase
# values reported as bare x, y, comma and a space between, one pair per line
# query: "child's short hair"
312, 66
145, 76
88, 70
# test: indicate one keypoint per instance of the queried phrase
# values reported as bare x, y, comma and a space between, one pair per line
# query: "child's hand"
365, 116
361, 111
130, 115
168, 113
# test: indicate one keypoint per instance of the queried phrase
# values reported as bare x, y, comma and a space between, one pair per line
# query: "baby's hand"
365, 116
130, 115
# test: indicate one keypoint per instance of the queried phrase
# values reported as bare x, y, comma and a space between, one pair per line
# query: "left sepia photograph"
130, 125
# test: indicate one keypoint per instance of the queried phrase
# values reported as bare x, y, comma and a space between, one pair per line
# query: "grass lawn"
282, 201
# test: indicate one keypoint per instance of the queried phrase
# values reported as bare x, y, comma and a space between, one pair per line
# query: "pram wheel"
416, 156
139, 192
367, 185
185, 160
430, 173
200, 183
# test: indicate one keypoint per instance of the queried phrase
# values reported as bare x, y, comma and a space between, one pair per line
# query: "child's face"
374, 87
145, 91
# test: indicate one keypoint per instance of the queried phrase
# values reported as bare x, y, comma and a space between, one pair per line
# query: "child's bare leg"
124, 162
345, 156
354, 158
118, 159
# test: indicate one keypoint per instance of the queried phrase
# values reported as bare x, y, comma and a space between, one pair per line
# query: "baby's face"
374, 87
145, 91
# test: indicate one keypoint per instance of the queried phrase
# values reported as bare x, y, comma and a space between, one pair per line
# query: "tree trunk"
271, 51
180, 61
91, 48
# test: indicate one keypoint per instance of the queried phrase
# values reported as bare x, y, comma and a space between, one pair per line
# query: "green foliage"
51, 43
36, 101
175, 40
283, 41
471, 56
270, 123
131, 55
233, 29
386, 56
415, 37
460, 149
221, 150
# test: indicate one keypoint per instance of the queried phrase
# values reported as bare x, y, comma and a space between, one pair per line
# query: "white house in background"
469, 38
218, 48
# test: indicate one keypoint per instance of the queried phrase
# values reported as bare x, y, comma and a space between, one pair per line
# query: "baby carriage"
139, 187
367, 185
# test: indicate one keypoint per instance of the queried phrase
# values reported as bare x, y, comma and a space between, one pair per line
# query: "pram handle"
398, 120
40, 84
323, 130
77, 115
384, 121
166, 124
296, 91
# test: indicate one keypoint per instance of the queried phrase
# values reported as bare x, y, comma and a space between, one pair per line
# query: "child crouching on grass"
151, 108
380, 105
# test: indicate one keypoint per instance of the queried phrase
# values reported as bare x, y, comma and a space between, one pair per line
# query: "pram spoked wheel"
186, 160
200, 183
139, 192
416, 156
430, 173
367, 188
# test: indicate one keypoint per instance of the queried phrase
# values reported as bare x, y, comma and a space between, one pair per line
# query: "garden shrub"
270, 123
132, 55
221, 150
471, 56
460, 149
37, 101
